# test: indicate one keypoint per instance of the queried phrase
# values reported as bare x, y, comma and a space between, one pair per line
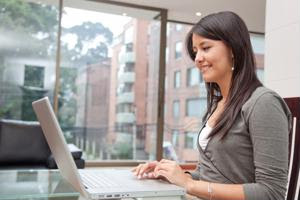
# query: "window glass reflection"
108, 99
27, 56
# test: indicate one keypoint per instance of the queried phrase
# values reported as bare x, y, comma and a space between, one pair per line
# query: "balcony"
127, 97
127, 77
127, 57
125, 117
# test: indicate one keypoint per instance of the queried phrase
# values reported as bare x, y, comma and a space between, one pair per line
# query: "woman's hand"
172, 172
145, 170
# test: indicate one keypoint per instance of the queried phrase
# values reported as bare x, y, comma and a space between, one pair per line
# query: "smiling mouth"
205, 68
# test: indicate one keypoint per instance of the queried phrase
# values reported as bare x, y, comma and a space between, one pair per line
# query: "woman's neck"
224, 87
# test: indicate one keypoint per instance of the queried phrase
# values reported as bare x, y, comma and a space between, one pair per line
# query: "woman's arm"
215, 191
174, 174
269, 129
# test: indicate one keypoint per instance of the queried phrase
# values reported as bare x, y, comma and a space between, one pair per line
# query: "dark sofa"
23, 146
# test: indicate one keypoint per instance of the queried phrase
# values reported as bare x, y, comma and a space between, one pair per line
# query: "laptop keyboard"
94, 179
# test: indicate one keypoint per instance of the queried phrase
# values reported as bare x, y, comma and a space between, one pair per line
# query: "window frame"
161, 80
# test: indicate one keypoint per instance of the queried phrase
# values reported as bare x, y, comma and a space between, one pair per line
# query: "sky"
74, 16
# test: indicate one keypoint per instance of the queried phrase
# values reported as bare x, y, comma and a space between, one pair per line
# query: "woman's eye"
206, 48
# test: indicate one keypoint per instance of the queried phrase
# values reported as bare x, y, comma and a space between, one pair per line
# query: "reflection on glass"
107, 83
33, 184
180, 69
108, 76
27, 56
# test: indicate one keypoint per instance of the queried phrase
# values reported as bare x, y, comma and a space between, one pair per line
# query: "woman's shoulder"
262, 97
262, 94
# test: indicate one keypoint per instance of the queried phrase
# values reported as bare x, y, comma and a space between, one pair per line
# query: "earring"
232, 68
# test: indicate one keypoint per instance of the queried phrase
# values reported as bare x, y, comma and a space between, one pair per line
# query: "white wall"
14, 71
282, 47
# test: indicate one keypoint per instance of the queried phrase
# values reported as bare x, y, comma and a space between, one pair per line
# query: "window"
109, 61
129, 67
178, 27
193, 76
176, 109
190, 140
128, 36
90, 110
260, 74
195, 107
125, 108
27, 61
178, 50
177, 79
175, 138
258, 45
129, 47
201, 77
176, 75
123, 127
124, 87
34, 76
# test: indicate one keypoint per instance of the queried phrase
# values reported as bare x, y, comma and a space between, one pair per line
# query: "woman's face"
213, 58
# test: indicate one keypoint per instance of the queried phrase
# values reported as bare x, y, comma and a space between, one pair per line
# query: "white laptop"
100, 183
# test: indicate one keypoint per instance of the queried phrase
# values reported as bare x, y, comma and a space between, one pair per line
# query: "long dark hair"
231, 29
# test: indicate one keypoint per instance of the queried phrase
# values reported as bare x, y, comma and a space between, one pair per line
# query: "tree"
66, 101
36, 25
91, 45
26, 30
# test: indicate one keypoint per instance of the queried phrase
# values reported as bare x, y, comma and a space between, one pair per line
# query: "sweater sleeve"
195, 173
269, 130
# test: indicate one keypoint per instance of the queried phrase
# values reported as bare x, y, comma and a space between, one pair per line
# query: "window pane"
178, 27
190, 120
258, 45
34, 76
193, 76
190, 140
27, 56
178, 50
177, 79
176, 109
114, 92
195, 107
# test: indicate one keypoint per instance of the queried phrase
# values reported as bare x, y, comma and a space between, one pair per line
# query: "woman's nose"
199, 57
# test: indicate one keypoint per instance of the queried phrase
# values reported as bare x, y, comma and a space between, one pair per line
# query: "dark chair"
23, 146
294, 150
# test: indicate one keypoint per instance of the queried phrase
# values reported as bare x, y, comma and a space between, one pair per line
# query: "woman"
243, 145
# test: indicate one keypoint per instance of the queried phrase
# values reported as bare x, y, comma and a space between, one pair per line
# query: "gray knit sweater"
255, 150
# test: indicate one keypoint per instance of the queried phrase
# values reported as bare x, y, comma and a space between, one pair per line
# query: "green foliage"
66, 101
33, 29
29, 23
122, 150
86, 34
10, 109
30, 94
17, 15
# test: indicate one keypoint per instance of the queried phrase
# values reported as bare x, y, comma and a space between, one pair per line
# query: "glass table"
43, 184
